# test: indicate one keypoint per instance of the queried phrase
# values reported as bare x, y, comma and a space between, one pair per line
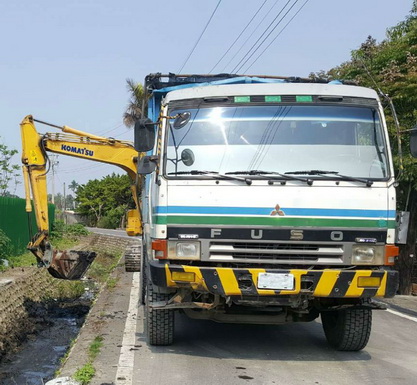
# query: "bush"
60, 229
5, 245
76, 229
113, 218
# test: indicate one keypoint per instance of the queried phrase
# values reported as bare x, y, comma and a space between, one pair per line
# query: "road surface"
115, 233
208, 353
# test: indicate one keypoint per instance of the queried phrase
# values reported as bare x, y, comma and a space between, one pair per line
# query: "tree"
73, 186
8, 172
391, 66
134, 108
110, 195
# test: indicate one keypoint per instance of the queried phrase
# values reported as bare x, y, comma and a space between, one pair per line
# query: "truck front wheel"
159, 323
348, 329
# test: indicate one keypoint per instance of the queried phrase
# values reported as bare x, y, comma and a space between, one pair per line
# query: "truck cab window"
281, 138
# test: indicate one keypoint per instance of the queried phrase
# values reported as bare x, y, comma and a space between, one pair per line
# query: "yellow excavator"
70, 264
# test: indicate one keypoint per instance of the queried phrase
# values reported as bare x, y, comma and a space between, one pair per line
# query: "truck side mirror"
144, 135
413, 141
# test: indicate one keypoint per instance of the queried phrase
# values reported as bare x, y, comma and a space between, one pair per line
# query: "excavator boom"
67, 264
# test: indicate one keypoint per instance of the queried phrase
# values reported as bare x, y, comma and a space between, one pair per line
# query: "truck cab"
266, 201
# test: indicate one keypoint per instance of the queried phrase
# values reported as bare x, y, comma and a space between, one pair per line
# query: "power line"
256, 28
201, 35
244, 59
263, 33
279, 33
110, 130
241, 33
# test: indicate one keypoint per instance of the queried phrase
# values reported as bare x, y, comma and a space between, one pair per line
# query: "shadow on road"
290, 342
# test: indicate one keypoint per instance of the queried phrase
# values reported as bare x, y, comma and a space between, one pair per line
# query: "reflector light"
183, 276
160, 247
391, 252
369, 281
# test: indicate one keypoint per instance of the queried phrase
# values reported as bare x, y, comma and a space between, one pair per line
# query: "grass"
103, 265
86, 373
95, 347
111, 283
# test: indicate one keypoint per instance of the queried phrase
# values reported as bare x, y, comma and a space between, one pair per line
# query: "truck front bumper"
329, 283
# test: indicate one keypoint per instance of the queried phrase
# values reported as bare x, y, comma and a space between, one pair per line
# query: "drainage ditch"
40, 316
54, 326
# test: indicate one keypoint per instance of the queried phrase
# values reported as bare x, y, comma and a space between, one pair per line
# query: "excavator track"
133, 254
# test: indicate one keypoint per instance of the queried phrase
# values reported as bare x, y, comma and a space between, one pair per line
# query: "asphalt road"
115, 233
209, 353
206, 353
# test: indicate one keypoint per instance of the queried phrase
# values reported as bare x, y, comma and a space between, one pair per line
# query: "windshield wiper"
272, 175
213, 174
324, 173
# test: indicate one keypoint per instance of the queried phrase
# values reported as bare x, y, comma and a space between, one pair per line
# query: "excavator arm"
79, 144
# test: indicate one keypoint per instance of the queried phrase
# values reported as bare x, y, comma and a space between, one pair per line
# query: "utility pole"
54, 162
64, 207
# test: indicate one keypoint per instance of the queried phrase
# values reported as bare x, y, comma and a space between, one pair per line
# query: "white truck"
266, 200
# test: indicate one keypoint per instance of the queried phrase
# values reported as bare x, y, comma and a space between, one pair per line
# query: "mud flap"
71, 264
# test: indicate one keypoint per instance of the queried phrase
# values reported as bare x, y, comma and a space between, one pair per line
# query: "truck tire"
347, 329
132, 257
159, 323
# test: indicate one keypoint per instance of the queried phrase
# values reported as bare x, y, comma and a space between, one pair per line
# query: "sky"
66, 62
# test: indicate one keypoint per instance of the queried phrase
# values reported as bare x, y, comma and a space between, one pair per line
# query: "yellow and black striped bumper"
330, 283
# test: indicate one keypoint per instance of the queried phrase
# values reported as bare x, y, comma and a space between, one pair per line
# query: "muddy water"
39, 356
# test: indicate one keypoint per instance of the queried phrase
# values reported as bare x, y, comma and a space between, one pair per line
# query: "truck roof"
270, 88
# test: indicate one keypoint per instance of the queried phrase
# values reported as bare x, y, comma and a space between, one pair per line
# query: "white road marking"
409, 317
124, 374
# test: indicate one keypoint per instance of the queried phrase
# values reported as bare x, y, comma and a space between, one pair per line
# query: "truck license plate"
276, 281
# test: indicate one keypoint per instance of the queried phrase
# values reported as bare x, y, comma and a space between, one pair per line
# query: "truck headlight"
367, 255
184, 250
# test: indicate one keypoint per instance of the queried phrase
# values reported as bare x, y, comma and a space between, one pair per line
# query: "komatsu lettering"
77, 150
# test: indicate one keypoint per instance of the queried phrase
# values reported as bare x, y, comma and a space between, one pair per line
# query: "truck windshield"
287, 138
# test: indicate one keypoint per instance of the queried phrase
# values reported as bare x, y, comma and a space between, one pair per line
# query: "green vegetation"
95, 347
103, 265
391, 67
134, 108
86, 373
5, 245
62, 237
8, 172
60, 230
111, 283
105, 201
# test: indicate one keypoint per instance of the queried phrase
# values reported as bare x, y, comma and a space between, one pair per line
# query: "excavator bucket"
70, 264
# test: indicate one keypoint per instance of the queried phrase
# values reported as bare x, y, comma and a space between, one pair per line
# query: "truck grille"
274, 251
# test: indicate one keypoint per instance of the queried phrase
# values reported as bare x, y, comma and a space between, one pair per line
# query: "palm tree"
134, 108
73, 186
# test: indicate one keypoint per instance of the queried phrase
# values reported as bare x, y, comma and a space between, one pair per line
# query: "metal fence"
15, 223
